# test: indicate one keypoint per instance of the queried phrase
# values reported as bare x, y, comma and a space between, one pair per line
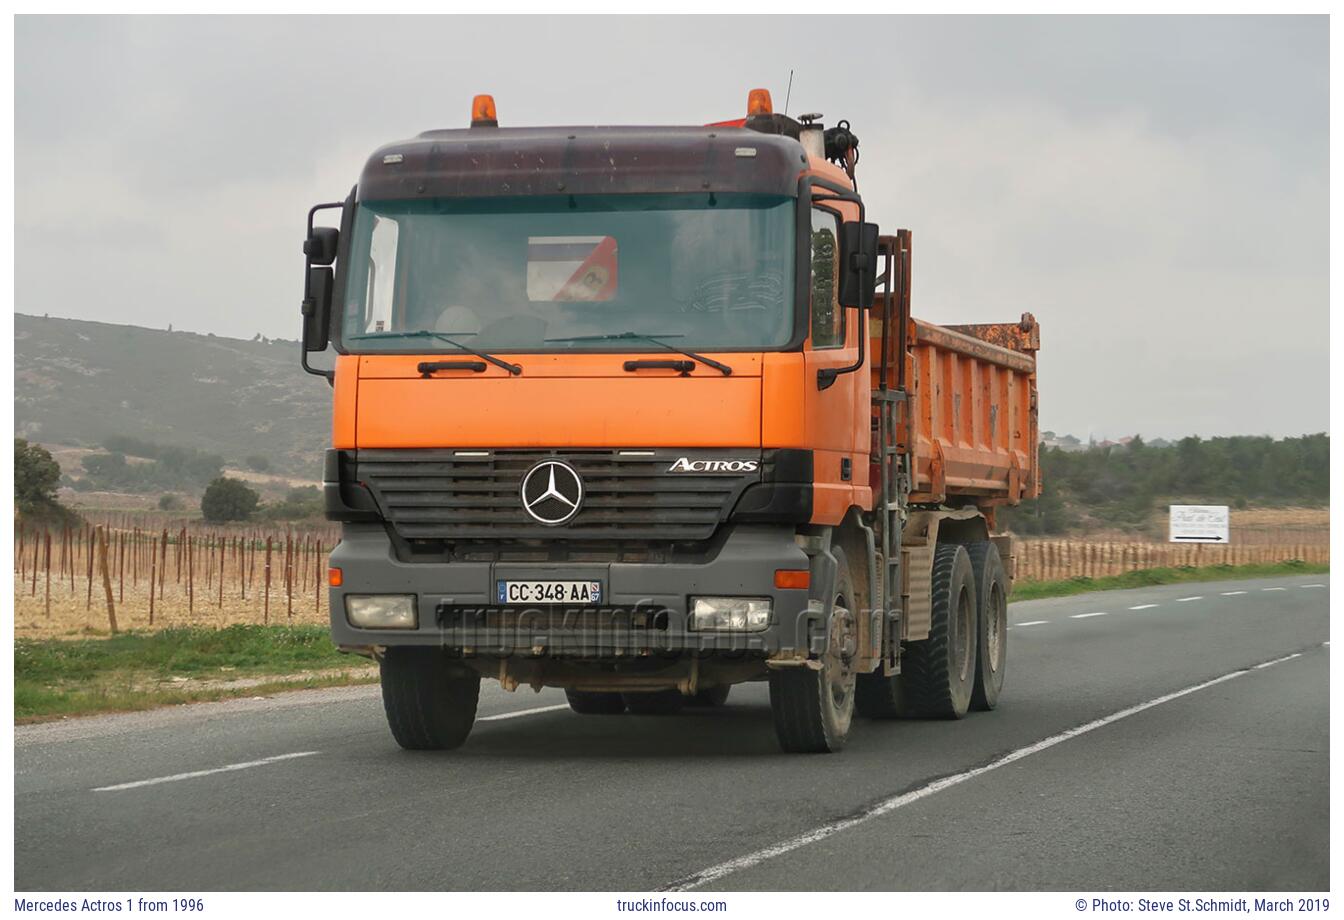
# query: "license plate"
549, 592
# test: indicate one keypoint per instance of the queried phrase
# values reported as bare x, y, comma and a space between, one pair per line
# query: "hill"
77, 383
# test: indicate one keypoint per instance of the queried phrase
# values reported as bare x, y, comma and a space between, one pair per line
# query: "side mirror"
320, 247
317, 308
858, 264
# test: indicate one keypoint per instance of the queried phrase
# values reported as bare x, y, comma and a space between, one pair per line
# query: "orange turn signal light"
758, 103
483, 111
335, 577
792, 578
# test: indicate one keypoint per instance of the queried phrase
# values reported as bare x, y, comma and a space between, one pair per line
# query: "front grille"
451, 495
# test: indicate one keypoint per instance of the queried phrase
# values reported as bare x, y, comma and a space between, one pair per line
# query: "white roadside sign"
1199, 524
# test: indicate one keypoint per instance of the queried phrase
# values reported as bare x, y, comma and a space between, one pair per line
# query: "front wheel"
430, 701
813, 709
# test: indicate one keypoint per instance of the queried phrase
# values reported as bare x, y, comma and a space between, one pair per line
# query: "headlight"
739, 613
381, 611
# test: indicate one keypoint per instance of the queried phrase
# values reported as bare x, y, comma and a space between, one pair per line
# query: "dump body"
970, 425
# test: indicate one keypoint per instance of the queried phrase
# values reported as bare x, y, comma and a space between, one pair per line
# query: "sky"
1153, 189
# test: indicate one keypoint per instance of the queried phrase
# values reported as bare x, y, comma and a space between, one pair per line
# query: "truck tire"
813, 709
710, 696
657, 703
430, 702
877, 696
938, 673
595, 704
991, 591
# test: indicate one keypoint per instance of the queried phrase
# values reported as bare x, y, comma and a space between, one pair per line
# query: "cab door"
836, 428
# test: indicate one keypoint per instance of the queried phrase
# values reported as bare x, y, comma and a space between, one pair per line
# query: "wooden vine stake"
107, 580
47, 599
266, 607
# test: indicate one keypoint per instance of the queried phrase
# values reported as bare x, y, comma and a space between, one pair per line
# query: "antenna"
788, 92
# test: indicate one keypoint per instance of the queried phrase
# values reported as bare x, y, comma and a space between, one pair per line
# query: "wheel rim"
965, 624
839, 671
994, 634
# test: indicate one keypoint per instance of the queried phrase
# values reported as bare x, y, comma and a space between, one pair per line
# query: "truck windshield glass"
539, 274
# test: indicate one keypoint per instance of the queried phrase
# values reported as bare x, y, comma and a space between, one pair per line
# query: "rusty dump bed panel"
970, 420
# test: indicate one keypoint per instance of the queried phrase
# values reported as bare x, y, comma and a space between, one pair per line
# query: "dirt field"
246, 574
79, 582
1247, 526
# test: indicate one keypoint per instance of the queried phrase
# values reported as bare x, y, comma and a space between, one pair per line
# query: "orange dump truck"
641, 413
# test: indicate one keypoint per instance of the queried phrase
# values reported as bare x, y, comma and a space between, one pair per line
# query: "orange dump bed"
969, 423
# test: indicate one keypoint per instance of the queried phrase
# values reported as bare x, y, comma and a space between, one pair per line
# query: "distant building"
1066, 442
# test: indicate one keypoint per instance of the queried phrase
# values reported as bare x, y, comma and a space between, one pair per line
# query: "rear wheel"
991, 590
813, 709
877, 696
595, 704
430, 701
658, 703
710, 696
938, 673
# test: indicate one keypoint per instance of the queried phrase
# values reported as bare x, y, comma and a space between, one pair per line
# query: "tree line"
1121, 486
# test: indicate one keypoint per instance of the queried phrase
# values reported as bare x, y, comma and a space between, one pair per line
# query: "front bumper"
643, 612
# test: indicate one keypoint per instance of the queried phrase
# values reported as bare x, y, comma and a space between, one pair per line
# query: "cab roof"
483, 162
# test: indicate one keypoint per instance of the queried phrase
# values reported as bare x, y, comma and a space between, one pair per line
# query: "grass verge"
1032, 590
55, 678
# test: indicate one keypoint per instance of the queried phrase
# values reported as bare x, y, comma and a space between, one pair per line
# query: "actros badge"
552, 492
687, 465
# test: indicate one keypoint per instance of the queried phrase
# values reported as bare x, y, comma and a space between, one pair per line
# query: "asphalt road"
1141, 749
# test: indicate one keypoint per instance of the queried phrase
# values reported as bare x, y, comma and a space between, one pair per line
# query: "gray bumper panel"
643, 611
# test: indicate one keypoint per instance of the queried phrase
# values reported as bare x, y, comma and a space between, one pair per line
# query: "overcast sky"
1154, 190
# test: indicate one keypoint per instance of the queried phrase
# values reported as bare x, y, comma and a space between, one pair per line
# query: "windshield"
555, 274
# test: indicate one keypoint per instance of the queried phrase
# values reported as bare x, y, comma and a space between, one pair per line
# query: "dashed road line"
1313, 585
1084, 616
1144, 606
523, 712
1032, 623
1273, 589
1197, 597
1265, 664
195, 773
1232, 593
889, 805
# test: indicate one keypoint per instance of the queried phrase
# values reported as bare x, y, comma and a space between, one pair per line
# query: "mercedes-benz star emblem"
552, 492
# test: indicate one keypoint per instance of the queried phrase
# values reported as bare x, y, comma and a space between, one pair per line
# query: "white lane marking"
1325, 645
1312, 586
195, 773
1197, 597
1143, 607
1084, 616
523, 712
1033, 623
1265, 664
886, 806
1232, 593
1273, 589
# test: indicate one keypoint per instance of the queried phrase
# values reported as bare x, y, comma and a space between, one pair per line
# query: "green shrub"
228, 499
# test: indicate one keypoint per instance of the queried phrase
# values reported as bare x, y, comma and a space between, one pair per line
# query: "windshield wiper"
657, 340
430, 333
